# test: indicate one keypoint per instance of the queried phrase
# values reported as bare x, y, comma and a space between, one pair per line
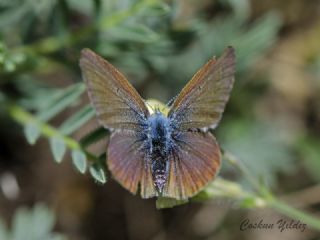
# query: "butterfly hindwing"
201, 102
128, 164
117, 104
194, 162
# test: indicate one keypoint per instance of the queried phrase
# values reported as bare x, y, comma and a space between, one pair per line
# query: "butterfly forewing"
201, 102
118, 105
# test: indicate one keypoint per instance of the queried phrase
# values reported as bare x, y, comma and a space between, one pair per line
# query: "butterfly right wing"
117, 104
201, 102
194, 162
195, 157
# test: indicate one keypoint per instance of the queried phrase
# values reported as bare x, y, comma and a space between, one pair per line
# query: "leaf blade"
58, 148
79, 160
32, 133
77, 120
98, 173
68, 96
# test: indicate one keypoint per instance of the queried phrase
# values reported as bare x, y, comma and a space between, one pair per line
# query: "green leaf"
2, 97
77, 120
309, 148
37, 95
58, 148
249, 43
4, 234
32, 133
251, 143
9, 66
41, 222
249, 202
164, 202
21, 224
226, 189
159, 9
34, 224
135, 33
56, 237
67, 97
98, 173
79, 160
94, 136
257, 39
241, 8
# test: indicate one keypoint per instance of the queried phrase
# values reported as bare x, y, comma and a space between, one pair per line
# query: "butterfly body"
158, 144
170, 154
159, 133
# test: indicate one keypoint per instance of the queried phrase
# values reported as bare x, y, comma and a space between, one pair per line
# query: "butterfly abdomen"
158, 146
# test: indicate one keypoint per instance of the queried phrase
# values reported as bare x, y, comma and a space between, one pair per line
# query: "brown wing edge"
93, 59
229, 53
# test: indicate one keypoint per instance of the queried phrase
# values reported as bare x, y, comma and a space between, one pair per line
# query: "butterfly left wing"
128, 163
117, 104
201, 102
194, 162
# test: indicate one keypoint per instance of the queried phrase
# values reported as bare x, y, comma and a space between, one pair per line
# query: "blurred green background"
271, 123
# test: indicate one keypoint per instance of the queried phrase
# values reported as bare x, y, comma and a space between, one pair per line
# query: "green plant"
31, 224
141, 39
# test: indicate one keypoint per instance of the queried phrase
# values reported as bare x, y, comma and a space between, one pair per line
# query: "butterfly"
170, 155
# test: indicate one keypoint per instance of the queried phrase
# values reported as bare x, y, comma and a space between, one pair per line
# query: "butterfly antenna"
154, 108
163, 109
146, 102
171, 101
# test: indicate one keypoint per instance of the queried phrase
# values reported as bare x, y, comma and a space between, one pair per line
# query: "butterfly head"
156, 106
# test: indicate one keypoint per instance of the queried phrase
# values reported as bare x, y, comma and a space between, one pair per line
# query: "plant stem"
294, 213
24, 118
235, 162
269, 199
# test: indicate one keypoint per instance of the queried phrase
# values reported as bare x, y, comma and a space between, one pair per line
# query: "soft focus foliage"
34, 224
271, 124
145, 42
